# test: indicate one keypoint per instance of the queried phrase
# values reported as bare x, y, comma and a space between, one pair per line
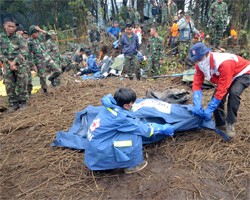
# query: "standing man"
41, 58
53, 51
94, 39
172, 10
154, 51
90, 20
164, 14
231, 74
186, 30
13, 52
218, 16
130, 47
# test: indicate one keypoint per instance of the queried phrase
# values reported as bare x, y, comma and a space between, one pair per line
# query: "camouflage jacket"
36, 50
13, 48
173, 9
164, 10
155, 47
218, 13
137, 16
53, 50
90, 20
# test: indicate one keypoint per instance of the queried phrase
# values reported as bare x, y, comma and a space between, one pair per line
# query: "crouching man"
115, 138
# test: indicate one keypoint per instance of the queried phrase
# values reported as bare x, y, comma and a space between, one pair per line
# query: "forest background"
69, 14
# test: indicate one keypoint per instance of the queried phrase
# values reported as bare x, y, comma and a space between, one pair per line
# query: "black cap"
128, 26
9, 19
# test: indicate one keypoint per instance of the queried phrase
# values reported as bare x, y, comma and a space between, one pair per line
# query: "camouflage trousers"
16, 84
41, 73
153, 65
183, 49
54, 67
164, 20
216, 34
131, 66
95, 48
29, 85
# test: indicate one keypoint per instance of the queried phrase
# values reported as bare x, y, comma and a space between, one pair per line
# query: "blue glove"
213, 104
197, 99
163, 129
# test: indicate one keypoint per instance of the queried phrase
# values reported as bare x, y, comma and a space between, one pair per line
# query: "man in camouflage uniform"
41, 58
154, 51
218, 14
94, 39
20, 31
122, 23
131, 16
13, 51
164, 14
53, 50
90, 20
137, 17
172, 10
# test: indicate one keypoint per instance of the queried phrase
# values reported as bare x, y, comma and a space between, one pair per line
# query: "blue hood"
108, 101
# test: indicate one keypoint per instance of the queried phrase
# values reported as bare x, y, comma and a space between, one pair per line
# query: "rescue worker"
231, 74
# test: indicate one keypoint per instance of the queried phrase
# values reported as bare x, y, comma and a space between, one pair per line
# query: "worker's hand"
162, 129
213, 104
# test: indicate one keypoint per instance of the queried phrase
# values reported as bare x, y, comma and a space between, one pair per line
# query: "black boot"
45, 91
52, 80
23, 106
13, 108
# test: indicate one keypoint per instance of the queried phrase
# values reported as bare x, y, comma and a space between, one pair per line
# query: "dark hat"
128, 26
115, 22
198, 51
19, 27
9, 19
32, 29
189, 13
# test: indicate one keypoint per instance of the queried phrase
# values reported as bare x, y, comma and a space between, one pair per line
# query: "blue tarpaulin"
148, 110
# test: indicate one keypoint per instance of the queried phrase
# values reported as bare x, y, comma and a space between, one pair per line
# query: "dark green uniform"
154, 52
164, 15
42, 60
218, 14
14, 48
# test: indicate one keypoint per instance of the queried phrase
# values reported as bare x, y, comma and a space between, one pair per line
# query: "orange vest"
175, 30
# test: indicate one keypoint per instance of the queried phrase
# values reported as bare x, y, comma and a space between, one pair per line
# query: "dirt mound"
191, 165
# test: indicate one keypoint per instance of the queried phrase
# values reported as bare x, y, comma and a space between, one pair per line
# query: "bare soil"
192, 165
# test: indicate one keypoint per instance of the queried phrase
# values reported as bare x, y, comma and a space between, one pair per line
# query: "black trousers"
233, 103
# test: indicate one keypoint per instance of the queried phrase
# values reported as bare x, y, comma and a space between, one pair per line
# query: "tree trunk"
140, 7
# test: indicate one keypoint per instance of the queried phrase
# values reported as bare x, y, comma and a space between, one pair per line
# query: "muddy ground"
192, 165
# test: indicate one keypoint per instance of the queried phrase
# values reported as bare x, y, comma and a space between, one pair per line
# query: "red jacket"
224, 68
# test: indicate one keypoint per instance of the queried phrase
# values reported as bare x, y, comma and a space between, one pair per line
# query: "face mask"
204, 66
175, 21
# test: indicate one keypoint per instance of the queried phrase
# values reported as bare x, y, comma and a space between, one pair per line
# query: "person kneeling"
92, 65
114, 139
